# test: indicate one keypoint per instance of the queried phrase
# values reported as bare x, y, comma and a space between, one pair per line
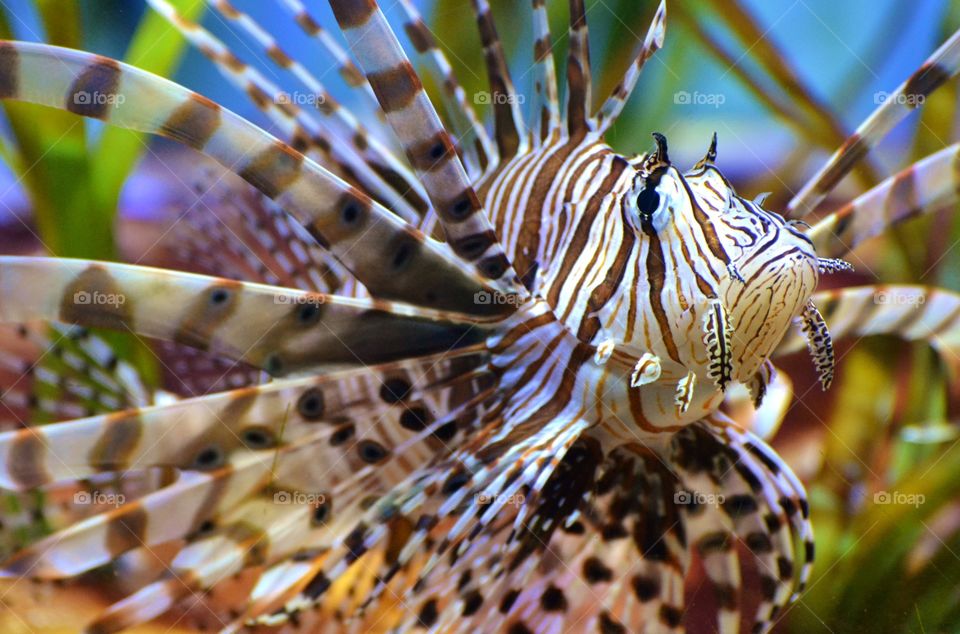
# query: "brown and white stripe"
942, 65
426, 142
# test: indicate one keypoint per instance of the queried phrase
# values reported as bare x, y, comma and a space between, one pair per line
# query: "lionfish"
484, 390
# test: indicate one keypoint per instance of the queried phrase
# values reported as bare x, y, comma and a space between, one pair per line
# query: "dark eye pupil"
648, 201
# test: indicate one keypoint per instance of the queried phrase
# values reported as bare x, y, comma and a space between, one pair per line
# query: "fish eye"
648, 201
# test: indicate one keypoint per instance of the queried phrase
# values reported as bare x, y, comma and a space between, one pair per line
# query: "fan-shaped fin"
943, 64
282, 331
391, 258
426, 142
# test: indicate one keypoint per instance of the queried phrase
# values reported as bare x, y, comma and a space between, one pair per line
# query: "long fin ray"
282, 331
391, 258
426, 142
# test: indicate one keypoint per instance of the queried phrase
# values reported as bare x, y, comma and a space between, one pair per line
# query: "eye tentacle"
710, 157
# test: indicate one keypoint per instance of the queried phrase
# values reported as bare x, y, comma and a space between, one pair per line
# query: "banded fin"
247, 237
914, 313
930, 184
470, 136
363, 157
579, 76
509, 127
282, 331
426, 142
202, 433
942, 65
435, 551
546, 97
57, 372
652, 42
389, 257
347, 70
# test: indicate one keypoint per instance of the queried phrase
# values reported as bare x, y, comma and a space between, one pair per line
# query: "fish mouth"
764, 305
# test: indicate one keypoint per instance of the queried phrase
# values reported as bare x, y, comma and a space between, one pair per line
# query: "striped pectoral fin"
389, 257
622, 548
160, 516
427, 143
51, 372
653, 41
473, 142
376, 405
258, 530
248, 238
341, 142
738, 476
943, 64
448, 508
282, 331
928, 185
